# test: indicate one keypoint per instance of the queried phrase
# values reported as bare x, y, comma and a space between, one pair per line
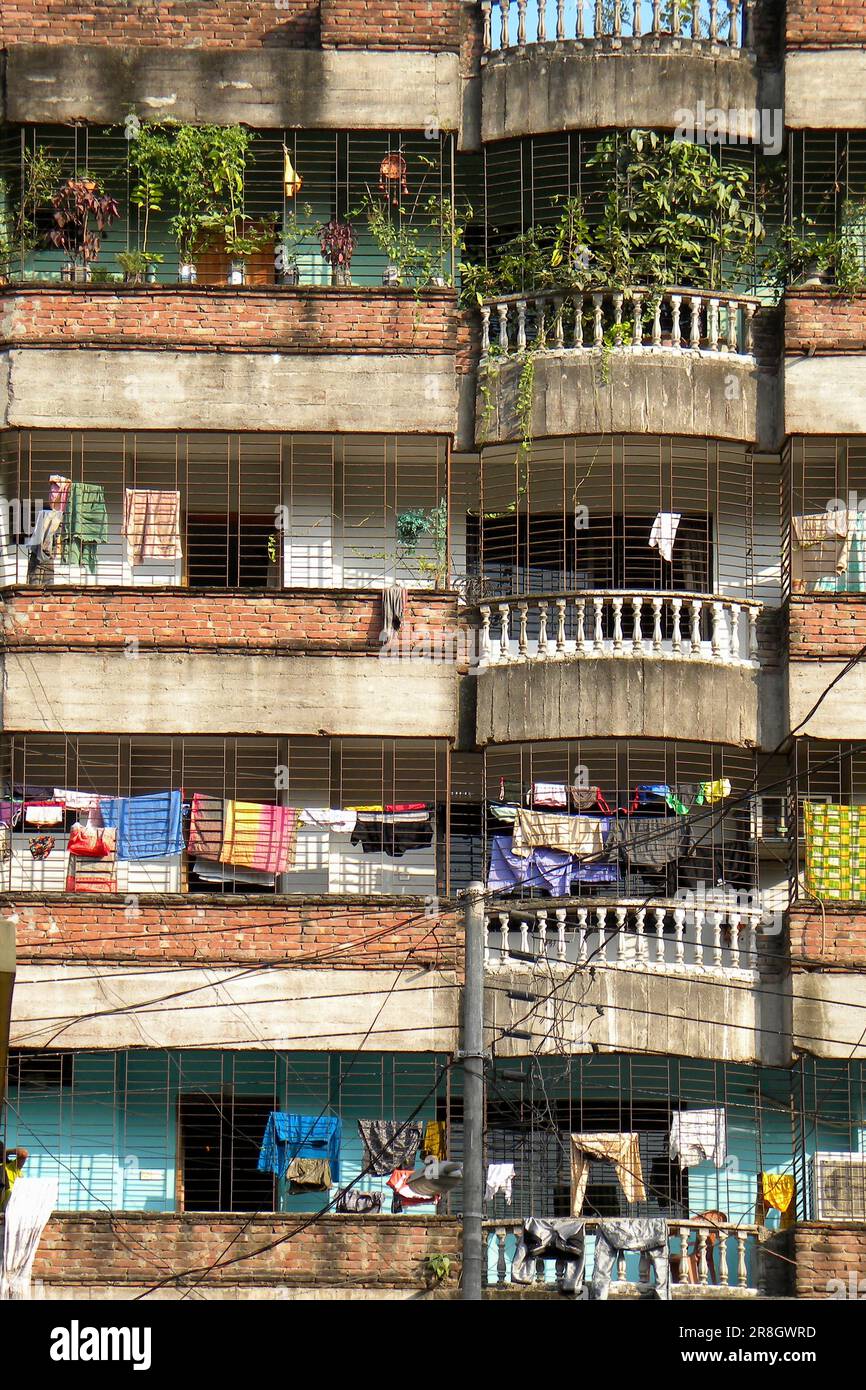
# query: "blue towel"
148, 827
300, 1136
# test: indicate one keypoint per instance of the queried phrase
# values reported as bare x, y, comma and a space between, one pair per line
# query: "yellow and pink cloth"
248, 834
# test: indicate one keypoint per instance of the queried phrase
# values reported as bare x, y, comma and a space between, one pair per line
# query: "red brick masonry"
265, 318
825, 23
836, 937
431, 25
314, 621
141, 1248
824, 320
203, 929
831, 1260
826, 629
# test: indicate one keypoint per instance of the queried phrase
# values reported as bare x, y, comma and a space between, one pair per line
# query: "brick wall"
825, 1253
835, 937
309, 319
200, 928
179, 23
826, 629
825, 23
316, 621
140, 1248
433, 25
825, 321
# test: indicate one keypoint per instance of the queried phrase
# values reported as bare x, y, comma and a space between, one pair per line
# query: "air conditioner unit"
838, 1187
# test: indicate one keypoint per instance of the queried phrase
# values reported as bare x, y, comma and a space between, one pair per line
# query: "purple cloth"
596, 871
544, 868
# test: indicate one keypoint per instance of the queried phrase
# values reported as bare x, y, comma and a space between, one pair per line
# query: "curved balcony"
585, 665
552, 66
681, 361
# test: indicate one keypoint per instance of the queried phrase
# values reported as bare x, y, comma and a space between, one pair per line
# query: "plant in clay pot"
337, 241
83, 214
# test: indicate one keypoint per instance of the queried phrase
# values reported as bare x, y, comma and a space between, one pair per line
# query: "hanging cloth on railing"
26, 1215
579, 835
698, 1136
663, 534
85, 524
388, 1144
648, 1235
776, 1191
835, 865
550, 869
561, 1239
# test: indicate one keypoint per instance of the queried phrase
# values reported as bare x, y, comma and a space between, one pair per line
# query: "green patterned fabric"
835, 851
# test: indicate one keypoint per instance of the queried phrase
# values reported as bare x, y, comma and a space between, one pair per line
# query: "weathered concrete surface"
825, 395
105, 1006
841, 715
824, 89
618, 697
262, 88
828, 1014
68, 388
561, 86
188, 693
641, 1012
648, 392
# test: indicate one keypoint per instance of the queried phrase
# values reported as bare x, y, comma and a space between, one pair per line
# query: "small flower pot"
150, 275
237, 273
187, 273
290, 274
340, 275
391, 275
73, 274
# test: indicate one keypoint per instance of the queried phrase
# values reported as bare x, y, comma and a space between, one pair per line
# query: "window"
219, 1141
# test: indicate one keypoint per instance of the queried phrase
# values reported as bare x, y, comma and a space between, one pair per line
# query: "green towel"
85, 524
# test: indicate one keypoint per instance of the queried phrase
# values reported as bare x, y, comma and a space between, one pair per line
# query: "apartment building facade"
450, 534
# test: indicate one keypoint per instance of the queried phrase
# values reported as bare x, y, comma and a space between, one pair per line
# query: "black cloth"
650, 843
388, 1144
560, 1239
383, 834
359, 1203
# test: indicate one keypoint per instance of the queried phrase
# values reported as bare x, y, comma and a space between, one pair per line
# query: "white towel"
30, 1205
500, 1178
663, 533
698, 1136
342, 822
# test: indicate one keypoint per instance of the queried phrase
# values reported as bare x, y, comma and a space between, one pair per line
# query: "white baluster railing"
692, 1243
625, 935
621, 624
653, 24
638, 320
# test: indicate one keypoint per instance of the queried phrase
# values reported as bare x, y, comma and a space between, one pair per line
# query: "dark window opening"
230, 551
220, 1139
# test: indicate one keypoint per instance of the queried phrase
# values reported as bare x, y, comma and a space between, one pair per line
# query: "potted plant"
337, 241
804, 258
19, 232
286, 268
82, 215
134, 266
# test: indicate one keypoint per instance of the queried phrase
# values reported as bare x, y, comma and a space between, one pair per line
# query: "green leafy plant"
19, 232
437, 1268
523, 402
799, 256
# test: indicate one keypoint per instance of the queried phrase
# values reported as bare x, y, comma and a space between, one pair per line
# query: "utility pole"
473, 1094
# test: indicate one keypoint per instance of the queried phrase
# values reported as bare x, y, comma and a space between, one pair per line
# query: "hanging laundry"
58, 492
324, 818
151, 525
663, 534
649, 842
821, 543
622, 1150
42, 545
357, 1203
711, 792
552, 794
388, 1144
148, 827
835, 861
308, 1175
561, 1239
91, 875
507, 814
648, 1235
585, 872
26, 1215
579, 835
392, 833
499, 1182
586, 799
85, 524
393, 608
776, 1191
75, 800
698, 1136
211, 871
433, 1142
541, 868
91, 842
258, 836
405, 1195
206, 824
289, 1136
44, 813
